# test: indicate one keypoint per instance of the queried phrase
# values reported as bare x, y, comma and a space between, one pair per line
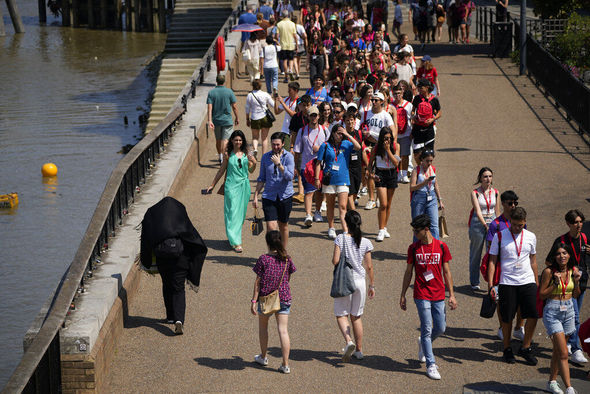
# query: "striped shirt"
354, 254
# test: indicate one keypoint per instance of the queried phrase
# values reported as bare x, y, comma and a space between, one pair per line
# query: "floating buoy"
8, 200
49, 169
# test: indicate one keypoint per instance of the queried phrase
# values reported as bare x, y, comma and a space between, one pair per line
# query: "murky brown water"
63, 96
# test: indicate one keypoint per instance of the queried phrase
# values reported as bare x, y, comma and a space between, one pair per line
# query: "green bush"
558, 8
572, 46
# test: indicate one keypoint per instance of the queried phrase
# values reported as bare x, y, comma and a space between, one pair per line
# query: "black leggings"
316, 66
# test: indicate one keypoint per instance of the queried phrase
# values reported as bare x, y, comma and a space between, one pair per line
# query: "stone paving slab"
485, 122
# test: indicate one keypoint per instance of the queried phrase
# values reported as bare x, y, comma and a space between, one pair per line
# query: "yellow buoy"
8, 200
49, 169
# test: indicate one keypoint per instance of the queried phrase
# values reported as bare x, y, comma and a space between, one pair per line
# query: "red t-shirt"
431, 74
428, 261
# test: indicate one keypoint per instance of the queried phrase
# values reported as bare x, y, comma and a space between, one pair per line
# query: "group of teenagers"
367, 124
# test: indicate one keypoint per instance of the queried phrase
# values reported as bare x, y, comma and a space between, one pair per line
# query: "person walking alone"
220, 102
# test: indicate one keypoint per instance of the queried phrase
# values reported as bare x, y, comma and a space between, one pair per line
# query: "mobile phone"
431, 178
206, 191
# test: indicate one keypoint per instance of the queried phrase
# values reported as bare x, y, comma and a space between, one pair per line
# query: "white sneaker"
570, 390
569, 349
259, 360
500, 333
387, 235
405, 179
380, 235
284, 369
432, 372
332, 233
421, 357
348, 350
553, 387
364, 191
178, 328
370, 205
317, 217
308, 220
358, 355
323, 208
578, 357
519, 333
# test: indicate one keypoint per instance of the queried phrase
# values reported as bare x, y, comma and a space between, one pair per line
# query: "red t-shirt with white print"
428, 261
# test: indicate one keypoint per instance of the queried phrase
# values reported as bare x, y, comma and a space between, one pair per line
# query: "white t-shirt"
305, 141
270, 55
404, 71
378, 121
300, 34
257, 102
287, 120
354, 254
516, 270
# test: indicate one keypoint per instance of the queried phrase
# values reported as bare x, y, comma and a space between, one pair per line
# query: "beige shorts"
333, 189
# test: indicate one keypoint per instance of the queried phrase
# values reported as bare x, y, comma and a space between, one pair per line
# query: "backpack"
483, 268
424, 111
402, 118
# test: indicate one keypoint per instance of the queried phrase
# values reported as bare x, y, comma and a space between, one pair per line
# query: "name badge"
354, 157
335, 167
428, 276
488, 220
518, 266
563, 308
428, 198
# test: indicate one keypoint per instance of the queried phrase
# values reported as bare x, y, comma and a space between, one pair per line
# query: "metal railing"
486, 16
39, 369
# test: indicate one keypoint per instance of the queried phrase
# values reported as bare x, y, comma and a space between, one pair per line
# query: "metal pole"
2, 29
42, 11
15, 16
522, 37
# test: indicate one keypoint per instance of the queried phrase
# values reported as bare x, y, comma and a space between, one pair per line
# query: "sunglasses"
512, 203
240, 162
375, 99
313, 115
338, 112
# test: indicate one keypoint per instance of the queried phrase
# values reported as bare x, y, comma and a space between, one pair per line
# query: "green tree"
573, 45
559, 8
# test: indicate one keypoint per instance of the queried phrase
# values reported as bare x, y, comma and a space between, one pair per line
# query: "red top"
428, 261
431, 75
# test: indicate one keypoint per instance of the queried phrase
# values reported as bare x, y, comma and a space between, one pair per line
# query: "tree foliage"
572, 46
559, 8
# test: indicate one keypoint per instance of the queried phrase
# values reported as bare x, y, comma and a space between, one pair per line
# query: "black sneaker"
527, 354
509, 356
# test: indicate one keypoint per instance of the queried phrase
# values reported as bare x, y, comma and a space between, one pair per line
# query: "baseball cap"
352, 105
426, 58
313, 110
379, 95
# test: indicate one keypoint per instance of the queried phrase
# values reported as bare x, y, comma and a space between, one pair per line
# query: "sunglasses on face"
375, 99
313, 115
512, 203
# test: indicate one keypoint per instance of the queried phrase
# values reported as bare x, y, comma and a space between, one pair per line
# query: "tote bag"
343, 282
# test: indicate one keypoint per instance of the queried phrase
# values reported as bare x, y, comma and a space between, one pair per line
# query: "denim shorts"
559, 321
285, 309
307, 187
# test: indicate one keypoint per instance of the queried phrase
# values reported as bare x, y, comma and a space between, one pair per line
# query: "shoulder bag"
272, 303
343, 282
267, 112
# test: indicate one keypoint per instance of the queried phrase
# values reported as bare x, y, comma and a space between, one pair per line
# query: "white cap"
379, 95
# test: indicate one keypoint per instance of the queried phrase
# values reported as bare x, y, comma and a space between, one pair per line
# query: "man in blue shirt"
265, 10
356, 40
247, 17
318, 92
276, 177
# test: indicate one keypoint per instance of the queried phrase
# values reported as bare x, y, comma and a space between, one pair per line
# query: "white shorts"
353, 304
333, 189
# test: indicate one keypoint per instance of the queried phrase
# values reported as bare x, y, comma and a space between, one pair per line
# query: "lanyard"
336, 151
429, 184
431, 251
290, 103
316, 98
486, 200
506, 222
518, 250
316, 137
576, 256
567, 279
365, 112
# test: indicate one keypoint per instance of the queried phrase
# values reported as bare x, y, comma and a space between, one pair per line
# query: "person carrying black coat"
168, 234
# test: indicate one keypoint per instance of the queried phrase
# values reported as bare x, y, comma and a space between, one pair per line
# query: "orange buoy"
220, 54
49, 169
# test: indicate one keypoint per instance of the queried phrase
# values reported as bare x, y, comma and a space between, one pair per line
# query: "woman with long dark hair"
485, 208
357, 251
326, 115
385, 160
560, 283
317, 56
335, 154
424, 191
257, 102
238, 162
273, 271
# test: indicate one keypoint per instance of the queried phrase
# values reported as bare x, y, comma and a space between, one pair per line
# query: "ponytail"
353, 222
273, 241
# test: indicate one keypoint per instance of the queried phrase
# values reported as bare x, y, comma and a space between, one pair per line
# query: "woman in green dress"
238, 162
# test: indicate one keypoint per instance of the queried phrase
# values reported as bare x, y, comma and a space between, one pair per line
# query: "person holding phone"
238, 162
424, 191
385, 159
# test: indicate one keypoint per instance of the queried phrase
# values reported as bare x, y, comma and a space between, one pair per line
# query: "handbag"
246, 55
256, 226
267, 112
488, 307
442, 225
343, 282
271, 303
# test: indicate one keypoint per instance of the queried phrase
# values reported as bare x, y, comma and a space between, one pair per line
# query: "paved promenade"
485, 122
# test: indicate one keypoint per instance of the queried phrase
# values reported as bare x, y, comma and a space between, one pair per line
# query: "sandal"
238, 249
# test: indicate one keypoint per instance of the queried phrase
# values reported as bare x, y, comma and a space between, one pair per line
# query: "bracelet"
371, 287
253, 301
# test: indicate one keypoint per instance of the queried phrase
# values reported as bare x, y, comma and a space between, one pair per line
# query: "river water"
63, 95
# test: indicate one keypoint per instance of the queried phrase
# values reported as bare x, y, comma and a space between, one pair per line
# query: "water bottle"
497, 298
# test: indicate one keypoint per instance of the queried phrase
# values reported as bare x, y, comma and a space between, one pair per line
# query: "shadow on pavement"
466, 290
232, 260
232, 364
497, 387
156, 324
382, 255
459, 333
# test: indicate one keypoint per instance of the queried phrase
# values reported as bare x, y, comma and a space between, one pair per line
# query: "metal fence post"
485, 25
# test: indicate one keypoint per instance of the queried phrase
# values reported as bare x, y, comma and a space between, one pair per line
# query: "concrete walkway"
485, 122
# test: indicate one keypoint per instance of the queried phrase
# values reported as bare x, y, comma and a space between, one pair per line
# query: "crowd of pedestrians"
367, 126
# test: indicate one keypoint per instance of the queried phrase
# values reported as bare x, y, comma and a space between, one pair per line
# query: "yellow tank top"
569, 288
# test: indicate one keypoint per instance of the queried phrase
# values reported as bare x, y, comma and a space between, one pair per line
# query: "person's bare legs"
506, 332
263, 333
308, 202
529, 331
264, 138
344, 327
342, 200
284, 229
382, 210
255, 138
371, 187
318, 198
330, 202
559, 359
220, 145
282, 327
357, 328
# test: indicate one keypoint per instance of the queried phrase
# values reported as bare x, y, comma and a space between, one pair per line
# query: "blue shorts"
556, 320
285, 309
307, 187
